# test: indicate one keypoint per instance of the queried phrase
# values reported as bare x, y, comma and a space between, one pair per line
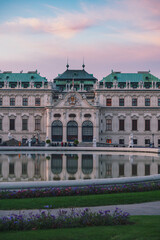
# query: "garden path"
150, 208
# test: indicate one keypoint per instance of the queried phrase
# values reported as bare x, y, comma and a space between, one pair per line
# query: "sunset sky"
123, 35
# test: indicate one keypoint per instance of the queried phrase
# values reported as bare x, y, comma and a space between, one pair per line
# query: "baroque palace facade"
78, 106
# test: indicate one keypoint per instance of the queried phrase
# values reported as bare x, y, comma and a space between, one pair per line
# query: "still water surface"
62, 166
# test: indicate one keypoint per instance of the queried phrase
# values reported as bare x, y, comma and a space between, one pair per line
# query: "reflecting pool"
67, 166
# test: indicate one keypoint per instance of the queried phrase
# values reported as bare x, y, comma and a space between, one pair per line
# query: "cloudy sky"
123, 35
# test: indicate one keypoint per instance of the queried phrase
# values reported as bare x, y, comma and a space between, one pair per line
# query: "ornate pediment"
72, 100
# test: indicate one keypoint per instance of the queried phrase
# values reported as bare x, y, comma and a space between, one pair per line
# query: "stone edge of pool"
72, 183
106, 149
45, 184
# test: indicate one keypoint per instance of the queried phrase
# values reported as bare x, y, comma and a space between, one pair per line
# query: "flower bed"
65, 219
85, 190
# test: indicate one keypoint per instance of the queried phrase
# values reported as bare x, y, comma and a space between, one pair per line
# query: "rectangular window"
121, 102
147, 125
147, 142
37, 124
158, 169
108, 170
121, 169
37, 101
134, 125
108, 124
12, 101
147, 169
108, 102
12, 124
147, 101
11, 168
158, 125
0, 124
121, 141
121, 125
135, 141
134, 101
109, 140
24, 168
24, 124
158, 142
25, 102
158, 101
134, 169
0, 101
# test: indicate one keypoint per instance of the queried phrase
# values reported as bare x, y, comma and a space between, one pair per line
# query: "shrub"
65, 219
82, 190
48, 141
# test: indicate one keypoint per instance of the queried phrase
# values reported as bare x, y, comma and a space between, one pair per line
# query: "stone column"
64, 133
80, 133
48, 127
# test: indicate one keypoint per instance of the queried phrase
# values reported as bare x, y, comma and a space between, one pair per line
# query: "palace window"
24, 124
134, 125
147, 169
147, 101
11, 168
121, 169
158, 101
108, 140
0, 101
108, 124
108, 102
24, 168
37, 101
121, 125
12, 124
134, 101
135, 141
25, 102
37, 124
147, 142
121, 141
147, 125
0, 124
12, 101
134, 169
158, 124
121, 102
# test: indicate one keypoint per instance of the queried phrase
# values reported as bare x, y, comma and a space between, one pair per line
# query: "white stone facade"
136, 110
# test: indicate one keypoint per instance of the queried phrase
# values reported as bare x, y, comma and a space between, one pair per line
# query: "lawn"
80, 201
145, 228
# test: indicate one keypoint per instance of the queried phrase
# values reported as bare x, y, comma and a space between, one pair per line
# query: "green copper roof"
130, 77
21, 77
75, 74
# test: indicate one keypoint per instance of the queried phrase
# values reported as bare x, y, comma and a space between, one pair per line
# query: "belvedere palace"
78, 106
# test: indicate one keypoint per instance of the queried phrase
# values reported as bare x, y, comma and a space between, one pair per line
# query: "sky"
118, 35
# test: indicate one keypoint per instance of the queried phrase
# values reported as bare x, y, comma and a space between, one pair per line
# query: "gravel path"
150, 208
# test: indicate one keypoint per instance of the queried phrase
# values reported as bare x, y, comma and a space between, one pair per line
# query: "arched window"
57, 131
56, 163
72, 163
72, 131
87, 131
87, 163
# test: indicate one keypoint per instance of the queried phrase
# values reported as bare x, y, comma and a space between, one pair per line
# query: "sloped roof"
130, 77
22, 77
75, 74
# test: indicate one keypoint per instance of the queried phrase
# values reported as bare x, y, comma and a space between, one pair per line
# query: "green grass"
80, 201
145, 228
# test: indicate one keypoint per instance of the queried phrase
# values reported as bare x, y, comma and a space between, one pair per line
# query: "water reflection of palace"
42, 167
